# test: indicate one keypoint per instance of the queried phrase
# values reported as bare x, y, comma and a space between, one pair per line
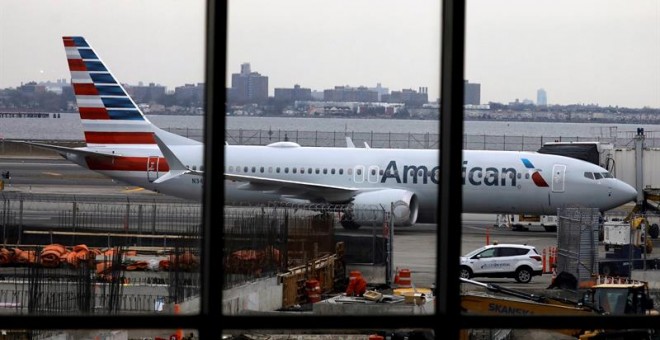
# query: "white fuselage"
493, 181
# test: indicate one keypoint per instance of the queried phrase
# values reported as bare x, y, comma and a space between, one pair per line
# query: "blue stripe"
79, 41
87, 53
527, 163
117, 103
109, 90
94, 66
125, 114
102, 78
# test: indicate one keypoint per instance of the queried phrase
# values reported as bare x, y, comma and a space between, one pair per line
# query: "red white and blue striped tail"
108, 114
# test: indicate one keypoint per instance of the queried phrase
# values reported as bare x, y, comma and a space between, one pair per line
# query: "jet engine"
368, 208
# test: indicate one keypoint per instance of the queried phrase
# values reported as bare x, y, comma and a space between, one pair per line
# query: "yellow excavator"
607, 296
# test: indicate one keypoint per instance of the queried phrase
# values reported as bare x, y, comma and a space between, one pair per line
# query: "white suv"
521, 262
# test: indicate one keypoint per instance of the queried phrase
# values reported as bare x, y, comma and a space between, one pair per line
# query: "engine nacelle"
368, 208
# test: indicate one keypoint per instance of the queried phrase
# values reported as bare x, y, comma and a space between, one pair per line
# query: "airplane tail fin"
108, 114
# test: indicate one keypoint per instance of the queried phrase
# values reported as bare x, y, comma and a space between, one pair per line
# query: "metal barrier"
395, 140
77, 218
416, 140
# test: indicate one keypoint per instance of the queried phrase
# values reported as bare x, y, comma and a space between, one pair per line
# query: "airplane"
123, 144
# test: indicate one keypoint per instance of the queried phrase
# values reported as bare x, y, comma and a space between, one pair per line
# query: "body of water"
68, 127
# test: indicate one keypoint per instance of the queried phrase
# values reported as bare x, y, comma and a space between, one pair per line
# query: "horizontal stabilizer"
65, 151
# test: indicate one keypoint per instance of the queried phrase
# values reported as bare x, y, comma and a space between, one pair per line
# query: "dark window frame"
448, 319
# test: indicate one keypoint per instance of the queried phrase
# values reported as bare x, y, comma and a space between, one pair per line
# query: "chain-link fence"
577, 242
417, 140
29, 218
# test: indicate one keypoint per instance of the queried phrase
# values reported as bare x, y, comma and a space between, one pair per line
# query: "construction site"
83, 254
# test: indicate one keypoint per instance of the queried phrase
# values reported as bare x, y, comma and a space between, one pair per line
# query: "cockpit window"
607, 175
589, 175
597, 175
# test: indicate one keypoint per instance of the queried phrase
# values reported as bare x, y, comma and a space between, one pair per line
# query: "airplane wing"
311, 191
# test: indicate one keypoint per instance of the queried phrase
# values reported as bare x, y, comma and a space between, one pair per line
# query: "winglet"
349, 142
176, 167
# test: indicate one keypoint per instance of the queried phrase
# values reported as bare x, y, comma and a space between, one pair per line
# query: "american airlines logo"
411, 174
536, 176
489, 176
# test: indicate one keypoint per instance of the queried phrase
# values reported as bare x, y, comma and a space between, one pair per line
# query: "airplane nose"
625, 192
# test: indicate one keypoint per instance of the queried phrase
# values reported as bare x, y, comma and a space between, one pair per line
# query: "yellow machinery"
618, 296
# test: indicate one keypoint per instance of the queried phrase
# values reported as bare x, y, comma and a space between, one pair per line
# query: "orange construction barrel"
404, 278
313, 289
376, 337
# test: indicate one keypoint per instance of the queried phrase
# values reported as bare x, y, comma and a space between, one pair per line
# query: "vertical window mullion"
451, 156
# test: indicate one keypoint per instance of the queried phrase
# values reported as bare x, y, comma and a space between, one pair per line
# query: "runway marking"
51, 173
133, 190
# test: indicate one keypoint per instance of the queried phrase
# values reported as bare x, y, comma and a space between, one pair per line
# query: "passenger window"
373, 172
270, 169
302, 170
589, 175
194, 167
487, 253
254, 169
261, 169
381, 172
309, 170
341, 171
286, 170
332, 171
245, 169
317, 171
277, 169
507, 252
294, 170
325, 171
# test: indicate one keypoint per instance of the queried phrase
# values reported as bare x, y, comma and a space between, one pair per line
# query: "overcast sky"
596, 51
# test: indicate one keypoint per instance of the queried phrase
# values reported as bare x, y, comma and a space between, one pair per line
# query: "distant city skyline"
600, 52
541, 94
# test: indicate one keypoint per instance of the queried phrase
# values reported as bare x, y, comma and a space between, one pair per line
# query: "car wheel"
465, 273
523, 275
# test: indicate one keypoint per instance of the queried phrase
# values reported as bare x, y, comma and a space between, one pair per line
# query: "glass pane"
350, 87
556, 80
97, 217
